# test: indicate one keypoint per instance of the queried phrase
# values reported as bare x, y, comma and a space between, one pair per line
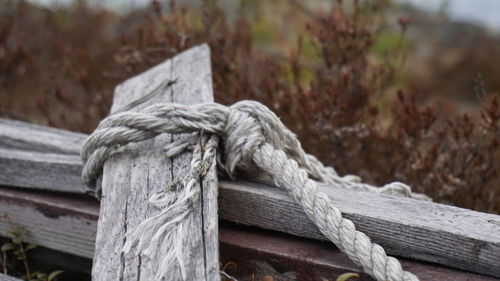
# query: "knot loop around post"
253, 138
249, 125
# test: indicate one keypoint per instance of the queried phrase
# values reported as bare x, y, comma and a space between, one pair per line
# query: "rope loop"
253, 139
249, 125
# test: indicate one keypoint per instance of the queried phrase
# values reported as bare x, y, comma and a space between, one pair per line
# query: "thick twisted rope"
253, 138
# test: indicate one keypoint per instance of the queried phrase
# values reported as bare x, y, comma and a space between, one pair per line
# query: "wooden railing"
37, 176
41, 189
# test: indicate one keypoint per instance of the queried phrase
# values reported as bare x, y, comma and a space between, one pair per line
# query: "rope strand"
254, 139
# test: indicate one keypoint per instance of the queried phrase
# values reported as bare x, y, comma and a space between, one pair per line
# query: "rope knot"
249, 124
254, 140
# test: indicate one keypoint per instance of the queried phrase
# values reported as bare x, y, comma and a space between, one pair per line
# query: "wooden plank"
58, 222
30, 137
4, 277
38, 157
41, 170
404, 227
255, 251
267, 253
420, 230
129, 180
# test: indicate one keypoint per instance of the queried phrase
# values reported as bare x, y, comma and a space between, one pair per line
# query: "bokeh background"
388, 90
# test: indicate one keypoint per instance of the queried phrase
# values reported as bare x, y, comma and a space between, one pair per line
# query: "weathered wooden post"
129, 180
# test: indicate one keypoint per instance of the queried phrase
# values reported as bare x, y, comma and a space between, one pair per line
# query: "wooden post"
466, 239
129, 180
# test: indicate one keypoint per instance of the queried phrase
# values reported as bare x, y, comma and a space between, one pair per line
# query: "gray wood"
428, 236
30, 154
128, 181
51, 220
41, 170
25, 136
280, 256
424, 231
77, 217
267, 207
4, 277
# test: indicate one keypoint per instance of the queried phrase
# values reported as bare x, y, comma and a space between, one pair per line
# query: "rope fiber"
252, 138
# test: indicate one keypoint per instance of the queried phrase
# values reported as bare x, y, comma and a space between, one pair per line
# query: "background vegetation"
349, 78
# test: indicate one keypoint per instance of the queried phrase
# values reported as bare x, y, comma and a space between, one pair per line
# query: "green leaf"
20, 255
17, 240
41, 276
34, 274
54, 274
8, 247
16, 231
347, 276
30, 246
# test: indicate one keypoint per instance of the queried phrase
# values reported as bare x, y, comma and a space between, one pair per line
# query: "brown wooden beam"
68, 224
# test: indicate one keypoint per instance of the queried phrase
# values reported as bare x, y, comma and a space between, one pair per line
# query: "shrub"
333, 83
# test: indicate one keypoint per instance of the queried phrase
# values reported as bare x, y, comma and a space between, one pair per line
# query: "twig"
225, 275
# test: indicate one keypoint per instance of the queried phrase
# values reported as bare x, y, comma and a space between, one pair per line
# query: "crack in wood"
200, 252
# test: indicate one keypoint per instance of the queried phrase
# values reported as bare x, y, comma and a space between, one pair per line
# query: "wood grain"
129, 180
404, 227
267, 253
30, 137
254, 250
425, 231
41, 170
54, 221
38, 157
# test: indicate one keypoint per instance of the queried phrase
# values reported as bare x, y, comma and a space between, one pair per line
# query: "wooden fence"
41, 189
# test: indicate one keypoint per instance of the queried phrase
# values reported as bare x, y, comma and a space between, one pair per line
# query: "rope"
253, 139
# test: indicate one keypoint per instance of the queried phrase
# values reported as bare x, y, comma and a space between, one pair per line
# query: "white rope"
254, 139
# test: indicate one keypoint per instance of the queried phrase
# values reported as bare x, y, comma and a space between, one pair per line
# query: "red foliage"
346, 114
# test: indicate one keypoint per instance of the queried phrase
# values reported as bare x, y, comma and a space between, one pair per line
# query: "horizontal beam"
38, 157
267, 253
54, 221
30, 137
41, 170
68, 225
409, 228
419, 230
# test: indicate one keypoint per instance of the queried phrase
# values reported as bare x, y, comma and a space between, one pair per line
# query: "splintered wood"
129, 180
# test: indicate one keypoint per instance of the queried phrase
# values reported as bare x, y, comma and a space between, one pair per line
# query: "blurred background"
388, 90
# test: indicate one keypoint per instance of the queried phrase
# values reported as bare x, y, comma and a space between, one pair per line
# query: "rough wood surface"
31, 137
51, 220
254, 250
425, 231
39, 157
41, 170
439, 233
420, 230
129, 180
267, 253
4, 277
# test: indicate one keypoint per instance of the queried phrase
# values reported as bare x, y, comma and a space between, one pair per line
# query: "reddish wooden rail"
423, 231
256, 251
